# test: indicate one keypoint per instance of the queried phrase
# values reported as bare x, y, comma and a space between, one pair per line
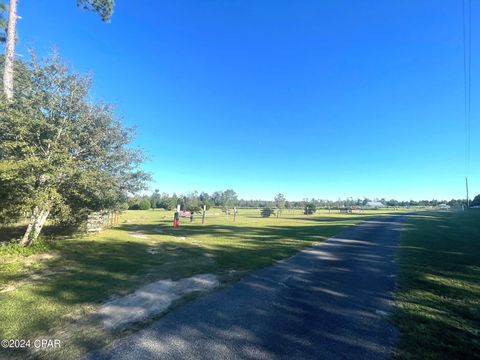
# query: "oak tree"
61, 153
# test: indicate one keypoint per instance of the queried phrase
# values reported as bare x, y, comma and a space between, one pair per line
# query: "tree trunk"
35, 225
10, 50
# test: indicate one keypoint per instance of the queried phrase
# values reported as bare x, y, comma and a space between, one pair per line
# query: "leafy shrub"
266, 212
475, 201
144, 204
310, 209
123, 206
134, 207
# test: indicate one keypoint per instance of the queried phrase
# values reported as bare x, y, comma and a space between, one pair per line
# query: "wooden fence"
102, 220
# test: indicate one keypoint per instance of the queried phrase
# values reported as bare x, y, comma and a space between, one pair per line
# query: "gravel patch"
152, 299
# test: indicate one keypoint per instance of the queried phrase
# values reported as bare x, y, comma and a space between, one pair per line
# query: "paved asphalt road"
327, 302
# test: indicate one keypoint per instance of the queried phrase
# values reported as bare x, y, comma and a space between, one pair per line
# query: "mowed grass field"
60, 282
438, 301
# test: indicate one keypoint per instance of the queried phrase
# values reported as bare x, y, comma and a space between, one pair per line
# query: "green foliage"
310, 208
139, 203
280, 201
123, 206
104, 8
475, 201
172, 202
61, 152
229, 198
266, 212
192, 202
3, 22
144, 204
204, 199
15, 249
155, 199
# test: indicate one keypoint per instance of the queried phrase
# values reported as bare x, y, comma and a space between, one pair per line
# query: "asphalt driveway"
327, 302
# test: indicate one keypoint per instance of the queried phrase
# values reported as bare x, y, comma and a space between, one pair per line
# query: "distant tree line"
192, 201
227, 199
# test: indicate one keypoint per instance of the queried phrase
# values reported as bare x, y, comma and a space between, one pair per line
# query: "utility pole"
466, 187
10, 50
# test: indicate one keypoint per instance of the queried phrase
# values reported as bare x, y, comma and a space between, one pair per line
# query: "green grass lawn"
438, 302
43, 294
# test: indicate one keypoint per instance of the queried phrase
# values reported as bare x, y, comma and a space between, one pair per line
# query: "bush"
194, 208
475, 201
310, 209
14, 248
123, 206
144, 204
266, 212
134, 207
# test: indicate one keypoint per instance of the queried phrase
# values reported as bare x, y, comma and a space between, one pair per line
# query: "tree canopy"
475, 201
280, 203
310, 208
104, 8
61, 154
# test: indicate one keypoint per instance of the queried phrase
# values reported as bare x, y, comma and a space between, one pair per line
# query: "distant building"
375, 204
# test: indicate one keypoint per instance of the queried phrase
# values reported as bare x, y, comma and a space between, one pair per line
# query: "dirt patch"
28, 260
152, 299
32, 278
9, 287
33, 272
138, 235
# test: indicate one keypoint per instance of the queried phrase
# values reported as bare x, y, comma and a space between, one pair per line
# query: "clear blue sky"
311, 98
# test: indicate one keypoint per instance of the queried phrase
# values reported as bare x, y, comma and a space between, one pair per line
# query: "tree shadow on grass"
321, 300
96, 270
439, 296
11, 232
93, 271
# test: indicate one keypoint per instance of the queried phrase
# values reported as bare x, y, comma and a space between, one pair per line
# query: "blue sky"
310, 98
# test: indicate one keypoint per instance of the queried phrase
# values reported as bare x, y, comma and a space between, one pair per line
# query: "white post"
10, 50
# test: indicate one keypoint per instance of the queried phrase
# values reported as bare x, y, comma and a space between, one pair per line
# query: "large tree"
155, 199
104, 8
229, 199
280, 203
60, 153
217, 198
